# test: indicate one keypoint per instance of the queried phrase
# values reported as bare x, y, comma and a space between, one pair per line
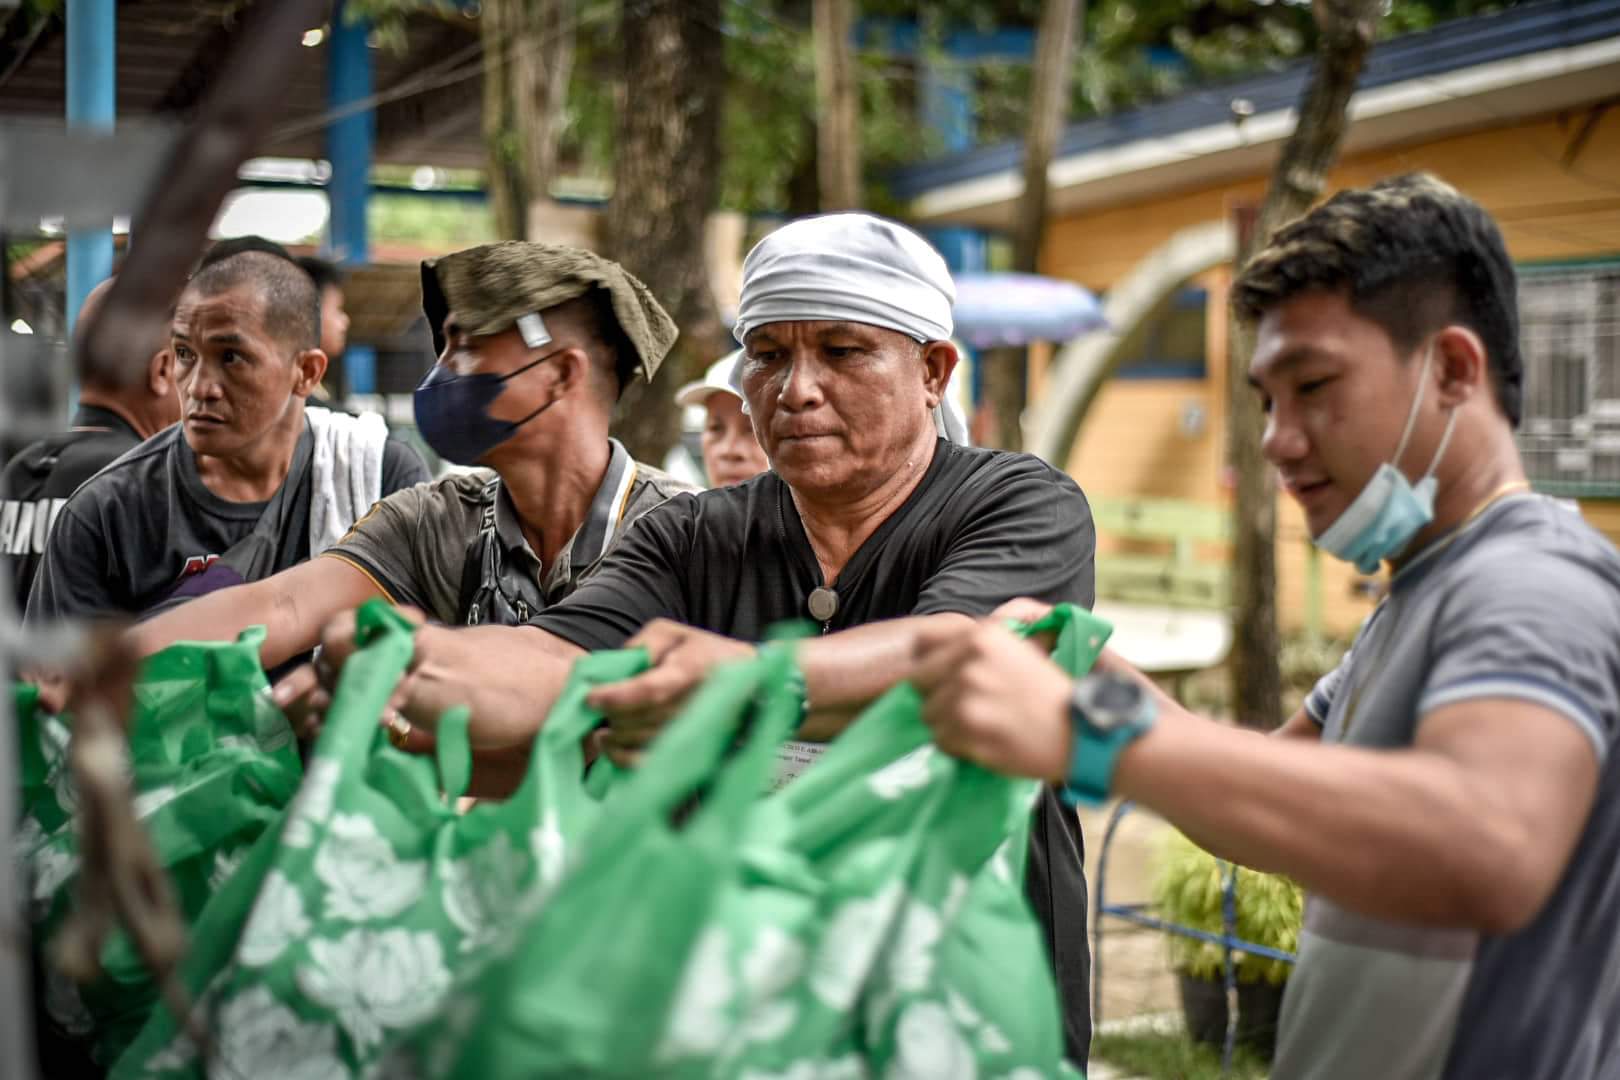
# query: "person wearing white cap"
731, 453
869, 522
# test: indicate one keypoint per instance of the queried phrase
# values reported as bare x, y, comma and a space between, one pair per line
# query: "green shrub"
1187, 890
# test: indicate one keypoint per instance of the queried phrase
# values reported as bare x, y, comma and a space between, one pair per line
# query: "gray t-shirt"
1523, 602
146, 532
416, 545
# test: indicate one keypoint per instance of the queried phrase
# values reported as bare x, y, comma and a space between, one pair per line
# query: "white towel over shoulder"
345, 470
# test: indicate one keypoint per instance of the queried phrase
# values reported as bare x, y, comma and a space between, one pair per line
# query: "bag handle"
557, 760
687, 753
1081, 636
865, 746
452, 749
364, 687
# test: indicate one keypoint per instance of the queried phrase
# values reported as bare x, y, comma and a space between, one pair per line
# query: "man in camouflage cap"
536, 343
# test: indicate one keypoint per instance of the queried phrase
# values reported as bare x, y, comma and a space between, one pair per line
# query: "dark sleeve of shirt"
402, 467
1028, 533
639, 581
75, 578
381, 546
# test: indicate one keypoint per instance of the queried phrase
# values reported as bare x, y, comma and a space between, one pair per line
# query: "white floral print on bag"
313, 804
479, 890
364, 879
260, 1037
374, 980
54, 738
770, 969
849, 946
903, 774
700, 1018
278, 920
550, 853
928, 1046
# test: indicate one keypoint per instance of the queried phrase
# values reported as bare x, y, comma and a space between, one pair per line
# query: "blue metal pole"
92, 102
349, 144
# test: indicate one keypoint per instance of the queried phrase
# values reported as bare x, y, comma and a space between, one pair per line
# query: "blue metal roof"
1461, 43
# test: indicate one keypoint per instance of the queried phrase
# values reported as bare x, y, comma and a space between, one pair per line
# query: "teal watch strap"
1092, 761
1096, 749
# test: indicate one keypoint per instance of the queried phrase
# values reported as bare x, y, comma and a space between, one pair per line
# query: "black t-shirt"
37, 482
983, 527
147, 527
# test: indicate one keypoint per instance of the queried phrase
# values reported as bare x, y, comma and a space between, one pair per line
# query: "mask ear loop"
1417, 402
513, 425
1445, 440
1411, 421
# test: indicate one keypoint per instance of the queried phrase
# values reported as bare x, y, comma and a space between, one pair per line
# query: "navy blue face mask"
452, 412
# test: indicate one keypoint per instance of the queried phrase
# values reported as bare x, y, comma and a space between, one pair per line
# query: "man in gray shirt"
1449, 796
230, 493
537, 342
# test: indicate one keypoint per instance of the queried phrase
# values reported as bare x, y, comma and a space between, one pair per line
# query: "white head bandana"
847, 268
851, 268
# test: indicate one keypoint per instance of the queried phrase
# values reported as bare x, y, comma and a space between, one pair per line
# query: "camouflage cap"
490, 286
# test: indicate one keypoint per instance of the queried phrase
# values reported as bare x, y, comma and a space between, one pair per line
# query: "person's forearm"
508, 676
220, 616
846, 670
1392, 834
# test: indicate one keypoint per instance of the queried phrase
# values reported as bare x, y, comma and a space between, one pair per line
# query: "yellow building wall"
1545, 210
1133, 441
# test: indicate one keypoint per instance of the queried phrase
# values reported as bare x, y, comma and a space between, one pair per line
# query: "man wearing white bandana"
869, 522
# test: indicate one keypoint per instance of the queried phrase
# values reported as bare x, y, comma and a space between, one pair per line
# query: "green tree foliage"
1133, 52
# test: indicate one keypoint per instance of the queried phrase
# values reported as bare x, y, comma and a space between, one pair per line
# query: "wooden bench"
1168, 601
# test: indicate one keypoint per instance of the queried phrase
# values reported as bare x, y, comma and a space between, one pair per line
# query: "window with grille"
1570, 330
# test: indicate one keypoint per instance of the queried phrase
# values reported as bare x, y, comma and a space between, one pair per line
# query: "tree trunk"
1300, 176
1006, 373
529, 54
838, 138
665, 183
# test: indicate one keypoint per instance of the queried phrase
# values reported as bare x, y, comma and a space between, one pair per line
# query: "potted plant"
1187, 891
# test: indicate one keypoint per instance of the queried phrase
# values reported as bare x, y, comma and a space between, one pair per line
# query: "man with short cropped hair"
247, 484
110, 421
1449, 795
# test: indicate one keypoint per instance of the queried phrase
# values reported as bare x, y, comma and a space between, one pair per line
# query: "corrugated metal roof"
169, 51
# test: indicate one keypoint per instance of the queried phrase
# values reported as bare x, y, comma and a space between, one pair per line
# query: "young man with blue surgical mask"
536, 344
1449, 796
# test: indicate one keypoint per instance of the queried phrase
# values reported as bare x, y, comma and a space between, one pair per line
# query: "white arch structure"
1082, 365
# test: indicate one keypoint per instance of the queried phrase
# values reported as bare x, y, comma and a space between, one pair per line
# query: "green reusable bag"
347, 927
586, 989
213, 764
918, 956
866, 920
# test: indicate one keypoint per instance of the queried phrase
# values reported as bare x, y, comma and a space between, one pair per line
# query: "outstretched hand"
994, 699
638, 708
305, 693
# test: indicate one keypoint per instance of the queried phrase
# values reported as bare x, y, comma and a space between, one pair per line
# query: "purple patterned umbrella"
1015, 309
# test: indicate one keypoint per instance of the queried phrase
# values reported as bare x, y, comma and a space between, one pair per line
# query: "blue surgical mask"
452, 412
1390, 510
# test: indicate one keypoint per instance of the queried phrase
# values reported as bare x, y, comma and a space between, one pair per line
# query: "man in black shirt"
868, 523
38, 480
234, 493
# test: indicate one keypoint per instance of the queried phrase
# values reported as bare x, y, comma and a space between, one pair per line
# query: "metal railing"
1138, 915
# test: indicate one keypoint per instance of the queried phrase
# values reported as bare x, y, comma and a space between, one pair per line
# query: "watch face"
1109, 701
1117, 695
